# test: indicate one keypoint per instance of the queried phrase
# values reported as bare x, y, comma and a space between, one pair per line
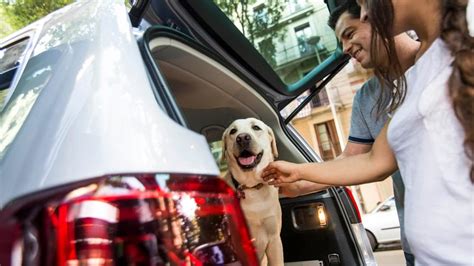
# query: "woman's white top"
470, 17
427, 140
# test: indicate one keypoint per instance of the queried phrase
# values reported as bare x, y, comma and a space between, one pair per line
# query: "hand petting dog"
279, 173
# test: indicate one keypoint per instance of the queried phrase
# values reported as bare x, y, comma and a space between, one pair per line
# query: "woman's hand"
281, 172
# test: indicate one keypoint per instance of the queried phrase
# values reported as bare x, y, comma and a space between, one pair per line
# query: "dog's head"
248, 144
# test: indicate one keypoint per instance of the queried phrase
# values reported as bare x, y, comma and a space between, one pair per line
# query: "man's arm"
353, 148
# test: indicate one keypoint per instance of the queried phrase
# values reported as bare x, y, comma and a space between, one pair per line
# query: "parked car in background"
105, 136
381, 224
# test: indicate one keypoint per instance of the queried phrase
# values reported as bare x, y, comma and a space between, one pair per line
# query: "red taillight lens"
147, 220
354, 204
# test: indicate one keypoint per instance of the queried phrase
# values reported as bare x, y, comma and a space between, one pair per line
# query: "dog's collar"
244, 187
234, 181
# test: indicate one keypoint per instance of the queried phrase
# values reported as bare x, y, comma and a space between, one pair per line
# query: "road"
389, 257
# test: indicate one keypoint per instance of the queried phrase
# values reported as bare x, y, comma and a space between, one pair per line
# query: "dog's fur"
249, 146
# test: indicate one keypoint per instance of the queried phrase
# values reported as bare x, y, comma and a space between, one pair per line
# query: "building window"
261, 15
328, 142
320, 99
303, 33
297, 5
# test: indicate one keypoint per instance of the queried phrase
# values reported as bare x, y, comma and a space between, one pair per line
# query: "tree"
260, 22
5, 28
19, 13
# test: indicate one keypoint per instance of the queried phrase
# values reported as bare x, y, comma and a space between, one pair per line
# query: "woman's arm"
301, 187
375, 165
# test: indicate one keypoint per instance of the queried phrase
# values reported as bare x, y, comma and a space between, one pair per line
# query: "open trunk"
209, 96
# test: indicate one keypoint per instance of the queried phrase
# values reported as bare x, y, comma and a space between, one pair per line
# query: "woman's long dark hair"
455, 33
388, 69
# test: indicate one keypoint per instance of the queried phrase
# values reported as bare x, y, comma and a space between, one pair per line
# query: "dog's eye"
255, 127
232, 131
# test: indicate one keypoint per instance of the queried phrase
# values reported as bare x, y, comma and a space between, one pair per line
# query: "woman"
430, 137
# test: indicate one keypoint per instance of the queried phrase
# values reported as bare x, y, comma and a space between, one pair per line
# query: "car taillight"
354, 204
146, 219
358, 229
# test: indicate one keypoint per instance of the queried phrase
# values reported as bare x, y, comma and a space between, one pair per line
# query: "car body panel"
383, 224
86, 122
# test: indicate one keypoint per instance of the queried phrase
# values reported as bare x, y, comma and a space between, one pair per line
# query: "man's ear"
273, 142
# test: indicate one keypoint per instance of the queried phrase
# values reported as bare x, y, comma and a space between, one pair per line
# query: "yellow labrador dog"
249, 146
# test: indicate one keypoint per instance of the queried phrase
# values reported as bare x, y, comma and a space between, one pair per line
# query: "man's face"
355, 38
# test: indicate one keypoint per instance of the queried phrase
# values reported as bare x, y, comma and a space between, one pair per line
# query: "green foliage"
5, 28
258, 23
239, 11
19, 13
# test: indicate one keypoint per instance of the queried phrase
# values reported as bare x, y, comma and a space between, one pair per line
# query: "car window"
390, 203
292, 35
218, 153
10, 58
383, 207
36, 76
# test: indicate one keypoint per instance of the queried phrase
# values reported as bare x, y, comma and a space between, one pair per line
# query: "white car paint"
73, 117
383, 222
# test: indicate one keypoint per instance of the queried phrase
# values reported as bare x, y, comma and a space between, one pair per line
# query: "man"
367, 118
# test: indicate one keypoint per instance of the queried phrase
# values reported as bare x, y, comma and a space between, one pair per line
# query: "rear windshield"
292, 35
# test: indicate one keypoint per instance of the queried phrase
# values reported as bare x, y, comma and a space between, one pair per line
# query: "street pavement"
389, 257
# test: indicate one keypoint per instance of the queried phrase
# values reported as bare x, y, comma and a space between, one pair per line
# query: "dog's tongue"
246, 160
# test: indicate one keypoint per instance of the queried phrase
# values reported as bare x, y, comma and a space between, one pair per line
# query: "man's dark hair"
350, 6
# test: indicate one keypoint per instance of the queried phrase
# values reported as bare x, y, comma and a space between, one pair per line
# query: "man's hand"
280, 172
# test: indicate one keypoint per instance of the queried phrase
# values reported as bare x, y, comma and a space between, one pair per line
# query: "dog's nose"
243, 139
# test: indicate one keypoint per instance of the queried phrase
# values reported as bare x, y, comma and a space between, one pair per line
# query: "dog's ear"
224, 145
273, 142
228, 179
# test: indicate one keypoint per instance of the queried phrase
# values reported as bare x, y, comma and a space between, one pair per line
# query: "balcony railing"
321, 99
303, 49
288, 54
